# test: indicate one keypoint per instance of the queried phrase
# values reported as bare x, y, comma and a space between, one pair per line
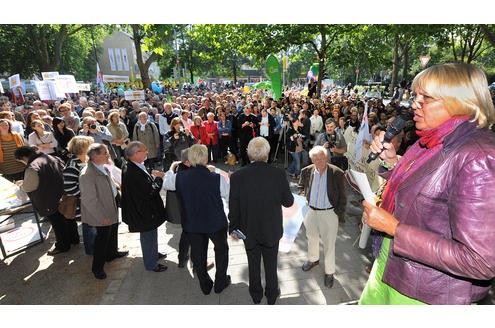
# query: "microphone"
394, 129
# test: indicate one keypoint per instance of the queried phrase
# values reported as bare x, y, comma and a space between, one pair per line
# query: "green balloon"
275, 74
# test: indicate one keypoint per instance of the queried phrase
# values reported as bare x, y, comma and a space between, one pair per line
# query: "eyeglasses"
421, 98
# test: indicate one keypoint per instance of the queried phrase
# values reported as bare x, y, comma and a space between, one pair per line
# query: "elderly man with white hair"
257, 193
324, 188
200, 193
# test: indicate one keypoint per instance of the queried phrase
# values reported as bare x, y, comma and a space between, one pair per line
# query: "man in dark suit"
257, 194
323, 186
142, 206
247, 125
266, 127
200, 194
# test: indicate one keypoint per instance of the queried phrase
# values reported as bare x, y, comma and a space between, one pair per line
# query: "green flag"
274, 72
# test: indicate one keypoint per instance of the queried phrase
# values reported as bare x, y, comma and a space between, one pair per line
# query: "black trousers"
199, 254
184, 246
59, 225
269, 254
105, 248
243, 151
71, 231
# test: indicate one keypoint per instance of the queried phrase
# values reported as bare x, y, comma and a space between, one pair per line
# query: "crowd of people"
78, 137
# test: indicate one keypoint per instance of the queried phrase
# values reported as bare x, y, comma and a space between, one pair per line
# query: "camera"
181, 129
93, 126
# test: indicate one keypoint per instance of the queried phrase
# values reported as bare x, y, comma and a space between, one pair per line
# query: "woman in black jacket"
63, 135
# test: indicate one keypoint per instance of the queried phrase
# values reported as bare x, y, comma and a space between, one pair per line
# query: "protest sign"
115, 79
14, 81
83, 86
67, 84
134, 95
49, 76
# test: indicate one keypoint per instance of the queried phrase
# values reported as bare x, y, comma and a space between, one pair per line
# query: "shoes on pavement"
100, 275
118, 255
228, 281
310, 265
328, 280
55, 251
160, 268
162, 256
271, 301
207, 290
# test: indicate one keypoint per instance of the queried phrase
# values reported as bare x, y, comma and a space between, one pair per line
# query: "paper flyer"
362, 181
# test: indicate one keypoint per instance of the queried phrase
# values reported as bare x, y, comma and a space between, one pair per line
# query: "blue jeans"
149, 248
89, 235
295, 164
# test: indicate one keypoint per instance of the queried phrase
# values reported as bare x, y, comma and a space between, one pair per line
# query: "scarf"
428, 145
141, 125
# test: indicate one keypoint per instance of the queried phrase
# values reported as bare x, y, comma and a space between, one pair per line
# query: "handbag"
67, 206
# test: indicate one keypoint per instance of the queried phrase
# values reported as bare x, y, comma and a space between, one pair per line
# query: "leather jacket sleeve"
469, 251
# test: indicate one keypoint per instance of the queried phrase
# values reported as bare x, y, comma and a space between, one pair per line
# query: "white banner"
111, 57
49, 76
49, 90
67, 84
83, 86
14, 81
115, 78
125, 59
134, 95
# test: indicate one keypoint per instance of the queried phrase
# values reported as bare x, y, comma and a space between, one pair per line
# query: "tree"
38, 48
152, 39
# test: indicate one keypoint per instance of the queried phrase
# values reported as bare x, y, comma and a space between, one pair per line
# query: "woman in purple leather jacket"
438, 208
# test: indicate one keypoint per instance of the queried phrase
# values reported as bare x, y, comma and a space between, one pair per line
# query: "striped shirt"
318, 197
71, 181
10, 165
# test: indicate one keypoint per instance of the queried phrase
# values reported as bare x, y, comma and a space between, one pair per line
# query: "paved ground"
32, 277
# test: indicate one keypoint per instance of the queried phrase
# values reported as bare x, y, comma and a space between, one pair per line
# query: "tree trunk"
192, 75
321, 62
395, 67
234, 70
139, 56
405, 63
59, 41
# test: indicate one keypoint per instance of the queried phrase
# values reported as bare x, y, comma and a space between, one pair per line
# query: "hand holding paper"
362, 181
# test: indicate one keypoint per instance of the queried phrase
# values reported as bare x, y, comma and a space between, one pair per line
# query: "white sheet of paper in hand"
362, 181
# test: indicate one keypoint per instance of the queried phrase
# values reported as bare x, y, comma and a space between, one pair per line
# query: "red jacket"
199, 133
211, 128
